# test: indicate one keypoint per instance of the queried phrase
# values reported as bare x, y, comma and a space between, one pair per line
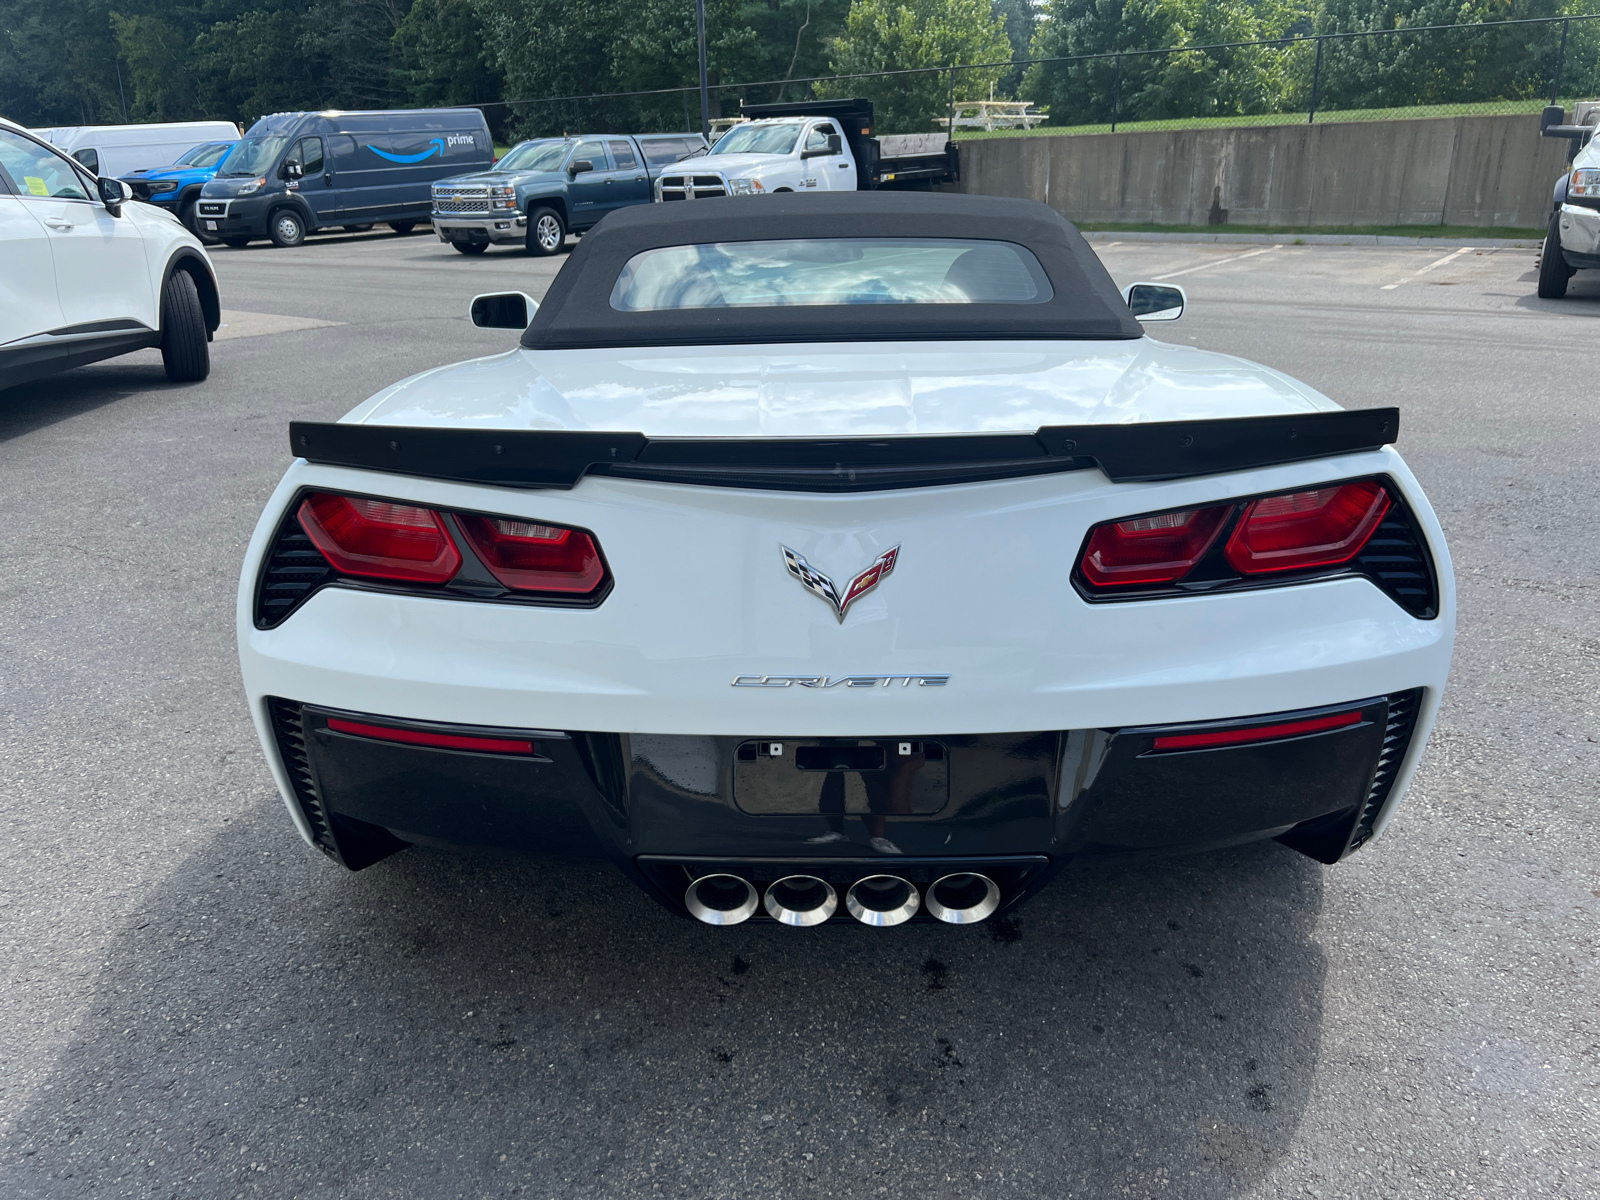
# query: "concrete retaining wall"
1474, 171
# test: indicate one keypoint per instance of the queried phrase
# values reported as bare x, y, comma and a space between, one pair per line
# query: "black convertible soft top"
577, 311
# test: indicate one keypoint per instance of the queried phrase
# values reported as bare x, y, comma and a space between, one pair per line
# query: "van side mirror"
1155, 301
579, 167
291, 170
503, 310
114, 194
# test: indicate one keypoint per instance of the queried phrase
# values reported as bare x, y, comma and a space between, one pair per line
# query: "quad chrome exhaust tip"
721, 899
801, 900
963, 898
882, 900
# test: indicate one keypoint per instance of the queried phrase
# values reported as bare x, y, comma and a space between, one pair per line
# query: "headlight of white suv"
745, 187
255, 185
1585, 182
502, 196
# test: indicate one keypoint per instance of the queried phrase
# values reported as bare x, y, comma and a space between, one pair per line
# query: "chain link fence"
1437, 70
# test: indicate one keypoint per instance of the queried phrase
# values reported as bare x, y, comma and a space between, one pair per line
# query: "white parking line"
1438, 262
1219, 262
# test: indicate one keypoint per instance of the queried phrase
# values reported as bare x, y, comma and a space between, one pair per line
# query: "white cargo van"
115, 150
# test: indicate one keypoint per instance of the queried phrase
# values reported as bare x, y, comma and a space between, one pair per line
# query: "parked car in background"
544, 189
811, 146
296, 173
176, 188
89, 275
1572, 241
117, 150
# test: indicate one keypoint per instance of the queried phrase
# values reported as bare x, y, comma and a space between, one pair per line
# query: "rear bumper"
511, 227
667, 807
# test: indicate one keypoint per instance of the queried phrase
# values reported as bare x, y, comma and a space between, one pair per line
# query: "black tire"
238, 243
547, 232
286, 228
1553, 269
402, 227
471, 247
183, 330
356, 228
186, 215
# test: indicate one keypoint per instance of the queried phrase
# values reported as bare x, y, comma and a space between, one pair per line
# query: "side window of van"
308, 153
89, 158
622, 156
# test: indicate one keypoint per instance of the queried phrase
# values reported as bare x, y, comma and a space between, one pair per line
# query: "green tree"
890, 35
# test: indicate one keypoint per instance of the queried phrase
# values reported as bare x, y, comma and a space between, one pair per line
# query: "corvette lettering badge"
815, 581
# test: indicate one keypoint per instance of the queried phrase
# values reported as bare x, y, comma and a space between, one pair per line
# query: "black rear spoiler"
1126, 453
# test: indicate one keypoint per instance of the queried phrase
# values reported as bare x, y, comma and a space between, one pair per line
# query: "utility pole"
705, 92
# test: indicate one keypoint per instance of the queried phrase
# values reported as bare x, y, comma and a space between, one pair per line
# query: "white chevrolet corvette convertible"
851, 557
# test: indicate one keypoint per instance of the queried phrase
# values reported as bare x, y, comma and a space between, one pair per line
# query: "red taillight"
529, 557
1256, 733
380, 539
1159, 549
426, 737
1318, 528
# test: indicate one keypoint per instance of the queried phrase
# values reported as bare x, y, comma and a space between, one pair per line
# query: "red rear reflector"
424, 737
1256, 733
1159, 549
529, 557
380, 539
1318, 528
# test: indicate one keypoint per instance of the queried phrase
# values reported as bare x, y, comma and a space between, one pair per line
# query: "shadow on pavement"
445, 1025
43, 402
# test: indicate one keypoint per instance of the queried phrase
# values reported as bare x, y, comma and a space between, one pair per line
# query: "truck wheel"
546, 232
402, 227
286, 228
471, 247
1553, 269
183, 330
238, 243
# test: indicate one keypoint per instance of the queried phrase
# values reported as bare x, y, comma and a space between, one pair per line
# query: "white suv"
89, 273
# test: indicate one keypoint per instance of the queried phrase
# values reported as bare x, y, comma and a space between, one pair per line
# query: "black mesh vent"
289, 724
1403, 709
294, 569
1397, 561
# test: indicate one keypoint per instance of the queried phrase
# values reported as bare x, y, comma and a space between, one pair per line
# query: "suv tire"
547, 232
183, 330
402, 227
286, 228
238, 243
471, 247
1553, 269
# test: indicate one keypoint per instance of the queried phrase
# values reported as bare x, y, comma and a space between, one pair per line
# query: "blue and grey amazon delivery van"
295, 173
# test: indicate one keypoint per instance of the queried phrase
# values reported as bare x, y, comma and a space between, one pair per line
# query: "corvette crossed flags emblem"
815, 581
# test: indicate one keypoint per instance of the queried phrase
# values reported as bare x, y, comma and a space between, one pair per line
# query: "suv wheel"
1553, 269
547, 233
286, 228
402, 227
183, 330
238, 243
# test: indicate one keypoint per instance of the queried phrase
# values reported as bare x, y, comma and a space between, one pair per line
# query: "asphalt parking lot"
198, 1005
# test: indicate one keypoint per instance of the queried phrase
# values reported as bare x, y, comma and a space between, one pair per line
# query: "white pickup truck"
814, 145
1572, 242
